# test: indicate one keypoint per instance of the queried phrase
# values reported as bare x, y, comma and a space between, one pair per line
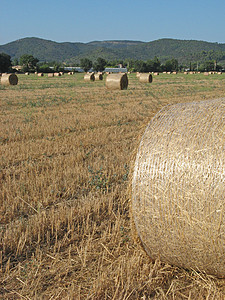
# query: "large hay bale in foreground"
178, 187
89, 77
9, 79
117, 81
145, 78
98, 76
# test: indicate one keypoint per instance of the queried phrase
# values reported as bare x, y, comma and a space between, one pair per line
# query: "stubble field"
66, 151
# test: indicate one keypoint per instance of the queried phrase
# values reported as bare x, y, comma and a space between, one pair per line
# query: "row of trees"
31, 64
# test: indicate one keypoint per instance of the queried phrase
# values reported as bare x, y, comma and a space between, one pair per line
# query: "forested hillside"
185, 51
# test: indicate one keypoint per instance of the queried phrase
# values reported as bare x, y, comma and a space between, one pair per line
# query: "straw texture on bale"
117, 81
9, 79
98, 76
89, 77
178, 186
145, 77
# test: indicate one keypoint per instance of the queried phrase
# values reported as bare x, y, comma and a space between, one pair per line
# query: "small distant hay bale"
168, 73
117, 81
178, 190
27, 73
206, 73
89, 77
50, 74
9, 79
219, 73
98, 76
62, 73
138, 74
57, 74
164, 72
145, 78
70, 73
174, 72
156, 73
185, 73
40, 74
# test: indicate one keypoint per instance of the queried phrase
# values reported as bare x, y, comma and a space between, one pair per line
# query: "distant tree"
207, 66
28, 63
85, 64
153, 65
140, 66
100, 65
15, 62
5, 62
171, 65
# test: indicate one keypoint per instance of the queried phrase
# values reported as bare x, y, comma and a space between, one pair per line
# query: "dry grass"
66, 150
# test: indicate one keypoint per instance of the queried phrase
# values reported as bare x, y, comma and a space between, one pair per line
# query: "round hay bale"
206, 73
40, 74
219, 73
27, 73
156, 73
98, 76
185, 73
50, 74
168, 73
117, 81
174, 72
57, 74
145, 78
178, 186
89, 77
9, 79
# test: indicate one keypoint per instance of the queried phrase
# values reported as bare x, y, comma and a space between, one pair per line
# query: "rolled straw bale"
156, 73
9, 79
168, 73
145, 77
164, 72
98, 76
57, 74
40, 74
219, 73
138, 74
50, 74
178, 187
206, 73
117, 81
89, 77
174, 72
27, 73
185, 73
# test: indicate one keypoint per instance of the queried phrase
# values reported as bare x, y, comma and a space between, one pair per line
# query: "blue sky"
91, 20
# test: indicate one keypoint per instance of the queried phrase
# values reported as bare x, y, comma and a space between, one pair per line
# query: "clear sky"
92, 20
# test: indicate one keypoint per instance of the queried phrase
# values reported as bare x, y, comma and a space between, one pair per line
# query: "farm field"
66, 153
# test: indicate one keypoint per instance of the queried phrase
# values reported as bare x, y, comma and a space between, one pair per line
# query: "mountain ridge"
185, 51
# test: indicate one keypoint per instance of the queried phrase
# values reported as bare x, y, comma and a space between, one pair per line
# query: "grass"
66, 150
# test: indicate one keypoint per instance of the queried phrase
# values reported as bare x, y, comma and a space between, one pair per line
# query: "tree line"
31, 64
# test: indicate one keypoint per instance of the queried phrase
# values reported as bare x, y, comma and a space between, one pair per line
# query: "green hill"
185, 51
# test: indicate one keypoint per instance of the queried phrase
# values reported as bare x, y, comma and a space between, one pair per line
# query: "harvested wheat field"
67, 150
